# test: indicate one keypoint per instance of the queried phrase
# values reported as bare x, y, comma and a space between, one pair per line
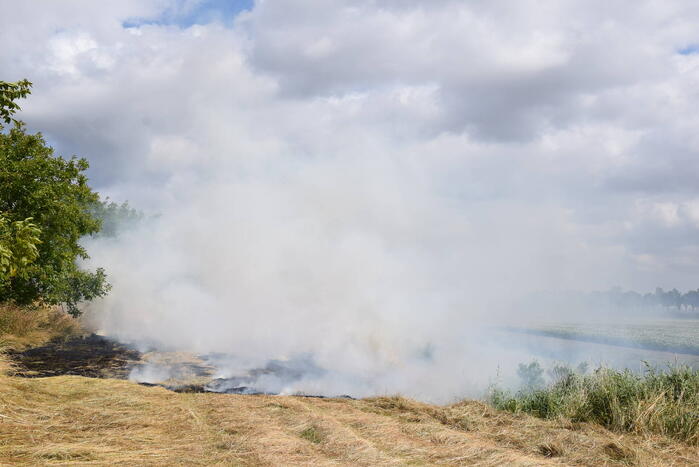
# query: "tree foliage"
54, 193
9, 93
18, 248
115, 218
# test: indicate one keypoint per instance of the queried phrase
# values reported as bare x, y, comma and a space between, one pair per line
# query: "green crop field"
672, 335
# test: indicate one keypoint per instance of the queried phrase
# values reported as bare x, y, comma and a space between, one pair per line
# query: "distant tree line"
615, 300
671, 300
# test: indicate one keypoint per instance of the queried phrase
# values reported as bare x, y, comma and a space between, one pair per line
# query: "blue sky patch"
689, 50
204, 11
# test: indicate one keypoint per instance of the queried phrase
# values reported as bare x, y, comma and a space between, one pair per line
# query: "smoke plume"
369, 186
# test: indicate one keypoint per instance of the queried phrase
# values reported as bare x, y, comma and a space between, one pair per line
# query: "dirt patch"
92, 356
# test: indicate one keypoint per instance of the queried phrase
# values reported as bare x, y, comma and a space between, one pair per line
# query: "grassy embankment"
76, 420
22, 327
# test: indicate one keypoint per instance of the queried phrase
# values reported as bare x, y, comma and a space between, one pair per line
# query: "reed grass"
655, 401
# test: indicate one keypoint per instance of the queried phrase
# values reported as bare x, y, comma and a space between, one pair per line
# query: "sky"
392, 154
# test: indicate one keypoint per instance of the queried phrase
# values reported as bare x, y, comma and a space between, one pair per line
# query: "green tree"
115, 218
53, 191
9, 93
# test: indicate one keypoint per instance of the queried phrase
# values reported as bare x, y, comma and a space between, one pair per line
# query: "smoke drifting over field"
368, 277
367, 184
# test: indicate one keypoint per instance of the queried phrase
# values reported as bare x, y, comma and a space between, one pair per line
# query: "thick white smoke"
356, 264
363, 184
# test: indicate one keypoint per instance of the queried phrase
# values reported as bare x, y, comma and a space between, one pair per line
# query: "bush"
664, 402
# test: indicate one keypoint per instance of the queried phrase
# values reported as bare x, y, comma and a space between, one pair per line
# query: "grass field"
678, 335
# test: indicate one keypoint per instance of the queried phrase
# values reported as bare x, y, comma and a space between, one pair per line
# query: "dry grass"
83, 421
94, 421
21, 327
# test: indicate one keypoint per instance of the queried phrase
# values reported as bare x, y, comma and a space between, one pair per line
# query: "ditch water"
573, 352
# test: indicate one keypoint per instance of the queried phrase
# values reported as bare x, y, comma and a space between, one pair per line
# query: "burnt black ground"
95, 356
92, 356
